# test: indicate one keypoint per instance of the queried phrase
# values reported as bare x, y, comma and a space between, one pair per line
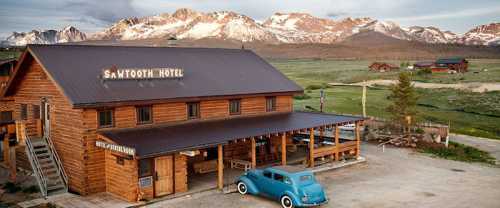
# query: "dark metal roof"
207, 72
454, 60
165, 139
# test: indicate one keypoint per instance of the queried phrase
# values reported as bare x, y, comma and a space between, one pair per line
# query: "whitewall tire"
242, 188
286, 202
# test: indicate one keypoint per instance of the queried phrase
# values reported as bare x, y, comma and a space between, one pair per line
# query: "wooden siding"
66, 122
180, 173
74, 131
121, 180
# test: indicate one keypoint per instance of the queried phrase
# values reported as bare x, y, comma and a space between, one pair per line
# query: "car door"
266, 183
281, 183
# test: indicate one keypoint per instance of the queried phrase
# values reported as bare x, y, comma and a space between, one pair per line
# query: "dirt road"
395, 178
473, 86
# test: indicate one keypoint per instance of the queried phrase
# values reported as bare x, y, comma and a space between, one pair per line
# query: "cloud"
450, 14
336, 14
106, 11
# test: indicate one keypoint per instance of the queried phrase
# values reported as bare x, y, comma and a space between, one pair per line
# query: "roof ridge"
130, 46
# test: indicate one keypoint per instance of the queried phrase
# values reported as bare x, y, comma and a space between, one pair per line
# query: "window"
120, 160
36, 112
267, 174
234, 107
144, 115
6, 116
278, 177
105, 118
24, 111
145, 167
193, 110
270, 104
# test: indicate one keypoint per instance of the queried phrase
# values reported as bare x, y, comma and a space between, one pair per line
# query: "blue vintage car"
293, 186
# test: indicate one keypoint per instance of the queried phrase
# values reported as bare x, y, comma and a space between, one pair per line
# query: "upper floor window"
36, 112
193, 110
270, 104
6, 116
105, 118
24, 111
144, 114
235, 107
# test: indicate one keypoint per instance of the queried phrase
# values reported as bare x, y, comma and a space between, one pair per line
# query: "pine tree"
404, 100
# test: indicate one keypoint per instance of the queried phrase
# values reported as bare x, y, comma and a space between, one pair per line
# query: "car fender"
293, 196
252, 188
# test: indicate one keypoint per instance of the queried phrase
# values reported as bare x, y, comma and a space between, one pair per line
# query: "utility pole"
321, 99
363, 98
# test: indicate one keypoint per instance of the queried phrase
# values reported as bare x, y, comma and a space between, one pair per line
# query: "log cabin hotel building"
145, 122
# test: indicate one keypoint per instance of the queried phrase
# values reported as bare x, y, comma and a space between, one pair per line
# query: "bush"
419, 131
11, 187
302, 97
424, 72
314, 87
457, 151
31, 189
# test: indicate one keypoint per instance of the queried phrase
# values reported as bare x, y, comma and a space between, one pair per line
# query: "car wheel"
286, 202
242, 188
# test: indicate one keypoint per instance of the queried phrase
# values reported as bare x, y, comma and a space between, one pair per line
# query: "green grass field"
308, 71
476, 114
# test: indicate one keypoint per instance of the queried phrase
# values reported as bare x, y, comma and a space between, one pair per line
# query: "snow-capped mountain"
483, 35
68, 34
431, 35
278, 28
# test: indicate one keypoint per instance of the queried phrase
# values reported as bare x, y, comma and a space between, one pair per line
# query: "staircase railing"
60, 168
37, 169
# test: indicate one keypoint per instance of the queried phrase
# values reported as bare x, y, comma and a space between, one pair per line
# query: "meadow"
470, 113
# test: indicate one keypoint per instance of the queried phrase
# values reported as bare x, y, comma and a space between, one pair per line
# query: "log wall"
66, 123
121, 179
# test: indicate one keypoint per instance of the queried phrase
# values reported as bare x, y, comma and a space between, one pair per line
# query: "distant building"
423, 65
382, 67
6, 68
456, 64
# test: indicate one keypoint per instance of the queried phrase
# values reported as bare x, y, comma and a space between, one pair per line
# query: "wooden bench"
205, 166
241, 164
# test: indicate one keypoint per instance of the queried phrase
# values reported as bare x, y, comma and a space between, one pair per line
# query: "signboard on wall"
115, 73
145, 182
117, 148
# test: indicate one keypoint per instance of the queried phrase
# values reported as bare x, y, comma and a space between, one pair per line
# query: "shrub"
11, 187
424, 72
302, 97
30, 189
314, 87
419, 131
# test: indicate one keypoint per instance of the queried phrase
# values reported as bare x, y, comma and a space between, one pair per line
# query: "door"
164, 176
266, 183
45, 114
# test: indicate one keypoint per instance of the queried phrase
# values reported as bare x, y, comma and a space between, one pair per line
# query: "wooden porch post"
337, 143
220, 168
311, 147
357, 139
254, 159
283, 149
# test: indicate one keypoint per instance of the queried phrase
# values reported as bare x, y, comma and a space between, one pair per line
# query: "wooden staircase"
49, 170
47, 167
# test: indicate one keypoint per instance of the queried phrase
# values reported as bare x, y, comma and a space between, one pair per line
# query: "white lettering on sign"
116, 148
114, 73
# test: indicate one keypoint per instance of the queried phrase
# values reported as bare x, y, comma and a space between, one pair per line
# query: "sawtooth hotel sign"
114, 73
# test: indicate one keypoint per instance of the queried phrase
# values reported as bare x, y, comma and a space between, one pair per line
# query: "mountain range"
280, 28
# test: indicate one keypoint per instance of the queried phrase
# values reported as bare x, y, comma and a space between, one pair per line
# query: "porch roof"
157, 140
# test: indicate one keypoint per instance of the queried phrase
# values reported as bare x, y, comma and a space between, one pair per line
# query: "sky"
458, 16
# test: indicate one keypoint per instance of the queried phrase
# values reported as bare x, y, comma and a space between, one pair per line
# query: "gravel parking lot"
394, 178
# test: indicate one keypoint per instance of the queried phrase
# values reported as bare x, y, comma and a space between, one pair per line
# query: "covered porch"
220, 150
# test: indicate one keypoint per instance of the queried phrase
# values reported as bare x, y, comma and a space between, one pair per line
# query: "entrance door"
46, 118
164, 176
